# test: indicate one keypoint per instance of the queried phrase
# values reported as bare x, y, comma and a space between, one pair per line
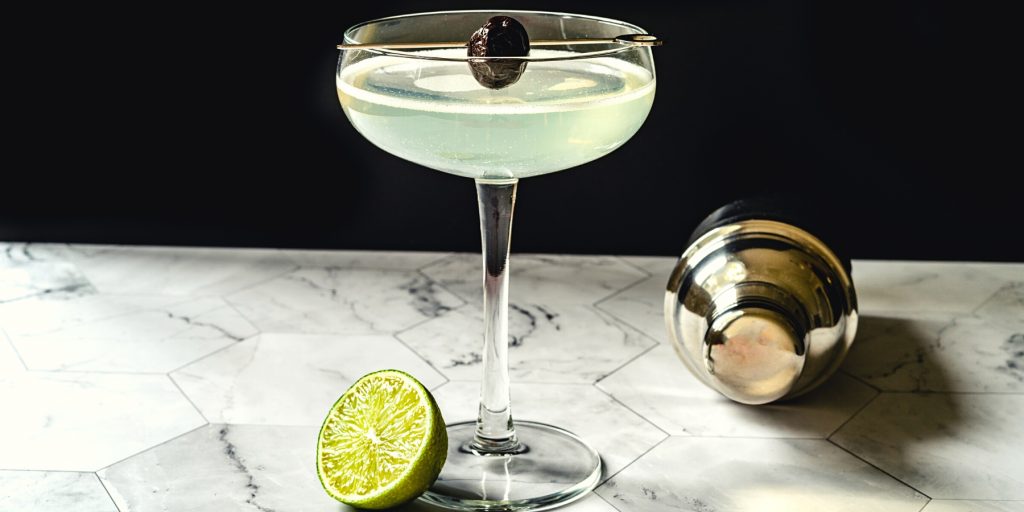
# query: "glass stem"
494, 430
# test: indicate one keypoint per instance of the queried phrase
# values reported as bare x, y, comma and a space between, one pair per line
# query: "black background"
219, 125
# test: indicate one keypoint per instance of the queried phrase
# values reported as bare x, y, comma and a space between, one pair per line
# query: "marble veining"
222, 467
945, 445
114, 360
51, 491
539, 278
337, 300
550, 342
152, 339
291, 379
718, 474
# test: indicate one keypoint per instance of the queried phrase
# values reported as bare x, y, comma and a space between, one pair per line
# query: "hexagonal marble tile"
1007, 302
291, 379
548, 342
380, 260
539, 278
643, 304
156, 339
973, 506
51, 491
887, 286
659, 387
336, 300
221, 467
83, 422
946, 445
932, 352
619, 435
791, 475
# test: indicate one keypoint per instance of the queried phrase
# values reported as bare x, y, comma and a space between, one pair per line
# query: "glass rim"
348, 39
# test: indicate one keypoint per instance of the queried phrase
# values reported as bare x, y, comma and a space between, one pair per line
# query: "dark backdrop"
219, 125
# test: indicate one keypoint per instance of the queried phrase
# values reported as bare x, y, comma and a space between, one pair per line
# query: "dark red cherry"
501, 36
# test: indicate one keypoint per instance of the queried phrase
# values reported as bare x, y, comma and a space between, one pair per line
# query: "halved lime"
383, 442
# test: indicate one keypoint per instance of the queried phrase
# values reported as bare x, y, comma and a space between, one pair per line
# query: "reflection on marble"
589, 503
547, 343
642, 305
155, 339
221, 467
46, 491
947, 446
335, 300
973, 506
381, 260
887, 286
658, 387
932, 352
539, 278
174, 270
619, 435
784, 475
83, 422
291, 379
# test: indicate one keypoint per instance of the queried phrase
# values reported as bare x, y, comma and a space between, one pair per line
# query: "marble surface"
155, 378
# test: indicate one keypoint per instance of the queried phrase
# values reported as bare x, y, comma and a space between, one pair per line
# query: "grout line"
854, 415
631, 264
219, 350
185, 395
858, 379
111, 496
630, 409
603, 481
226, 293
890, 475
419, 356
442, 257
10, 343
928, 501
618, 292
153, 447
610, 504
630, 360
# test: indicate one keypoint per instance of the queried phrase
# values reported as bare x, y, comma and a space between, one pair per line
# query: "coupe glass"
571, 104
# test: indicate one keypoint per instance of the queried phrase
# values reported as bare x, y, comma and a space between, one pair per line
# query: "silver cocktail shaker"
758, 308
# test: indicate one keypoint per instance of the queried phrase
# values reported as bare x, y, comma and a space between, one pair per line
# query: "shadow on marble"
49, 491
913, 351
958, 445
658, 386
589, 503
757, 475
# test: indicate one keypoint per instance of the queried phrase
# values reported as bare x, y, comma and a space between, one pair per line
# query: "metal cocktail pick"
627, 39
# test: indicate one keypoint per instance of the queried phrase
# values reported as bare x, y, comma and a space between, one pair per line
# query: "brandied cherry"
501, 36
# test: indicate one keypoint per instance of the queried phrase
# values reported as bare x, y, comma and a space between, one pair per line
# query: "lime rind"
372, 398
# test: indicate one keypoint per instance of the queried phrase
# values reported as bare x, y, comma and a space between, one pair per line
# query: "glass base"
554, 469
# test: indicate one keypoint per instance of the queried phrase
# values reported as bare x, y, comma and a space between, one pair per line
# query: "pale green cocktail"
559, 115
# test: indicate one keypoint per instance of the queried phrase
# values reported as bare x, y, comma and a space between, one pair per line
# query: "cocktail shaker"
758, 307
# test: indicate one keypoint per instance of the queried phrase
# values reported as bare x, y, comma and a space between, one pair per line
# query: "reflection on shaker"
758, 307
